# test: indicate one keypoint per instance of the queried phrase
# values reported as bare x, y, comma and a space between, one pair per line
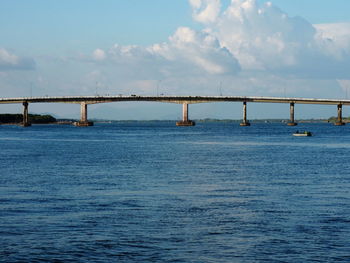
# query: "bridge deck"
172, 99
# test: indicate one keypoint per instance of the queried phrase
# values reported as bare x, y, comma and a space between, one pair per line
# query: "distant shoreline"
16, 119
222, 120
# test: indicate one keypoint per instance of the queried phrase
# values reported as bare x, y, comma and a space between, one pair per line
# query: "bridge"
84, 101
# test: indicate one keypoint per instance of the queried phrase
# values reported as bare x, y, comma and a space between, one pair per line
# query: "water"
153, 192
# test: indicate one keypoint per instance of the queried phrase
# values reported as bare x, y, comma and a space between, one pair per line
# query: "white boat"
302, 134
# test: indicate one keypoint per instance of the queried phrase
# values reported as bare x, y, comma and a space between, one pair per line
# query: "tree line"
33, 118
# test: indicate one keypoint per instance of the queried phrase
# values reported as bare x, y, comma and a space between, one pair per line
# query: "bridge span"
84, 101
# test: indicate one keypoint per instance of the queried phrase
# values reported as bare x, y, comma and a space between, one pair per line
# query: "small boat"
302, 134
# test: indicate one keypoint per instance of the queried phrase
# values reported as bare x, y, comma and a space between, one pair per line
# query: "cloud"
337, 32
263, 37
9, 61
205, 11
334, 39
344, 84
198, 49
186, 52
99, 54
245, 36
239, 47
242, 42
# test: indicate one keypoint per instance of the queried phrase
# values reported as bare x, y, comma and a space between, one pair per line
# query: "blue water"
153, 192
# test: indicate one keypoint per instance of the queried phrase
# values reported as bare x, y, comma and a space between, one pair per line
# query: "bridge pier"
245, 122
339, 121
185, 121
25, 122
292, 121
83, 116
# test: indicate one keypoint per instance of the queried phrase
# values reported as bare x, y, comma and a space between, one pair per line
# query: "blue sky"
317, 11
297, 48
69, 25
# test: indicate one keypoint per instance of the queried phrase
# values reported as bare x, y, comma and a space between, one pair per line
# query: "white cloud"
9, 61
205, 11
247, 46
345, 85
245, 41
199, 49
334, 39
7, 58
246, 35
186, 52
99, 54
196, 3
264, 38
338, 32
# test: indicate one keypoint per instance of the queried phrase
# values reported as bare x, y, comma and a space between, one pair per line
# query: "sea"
154, 192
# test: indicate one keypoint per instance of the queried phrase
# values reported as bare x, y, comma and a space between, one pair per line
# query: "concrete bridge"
84, 101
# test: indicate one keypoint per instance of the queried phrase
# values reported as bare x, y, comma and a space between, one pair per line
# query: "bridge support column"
340, 116
25, 122
292, 121
245, 121
185, 121
83, 117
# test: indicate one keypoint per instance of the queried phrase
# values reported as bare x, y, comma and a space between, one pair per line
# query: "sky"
287, 48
